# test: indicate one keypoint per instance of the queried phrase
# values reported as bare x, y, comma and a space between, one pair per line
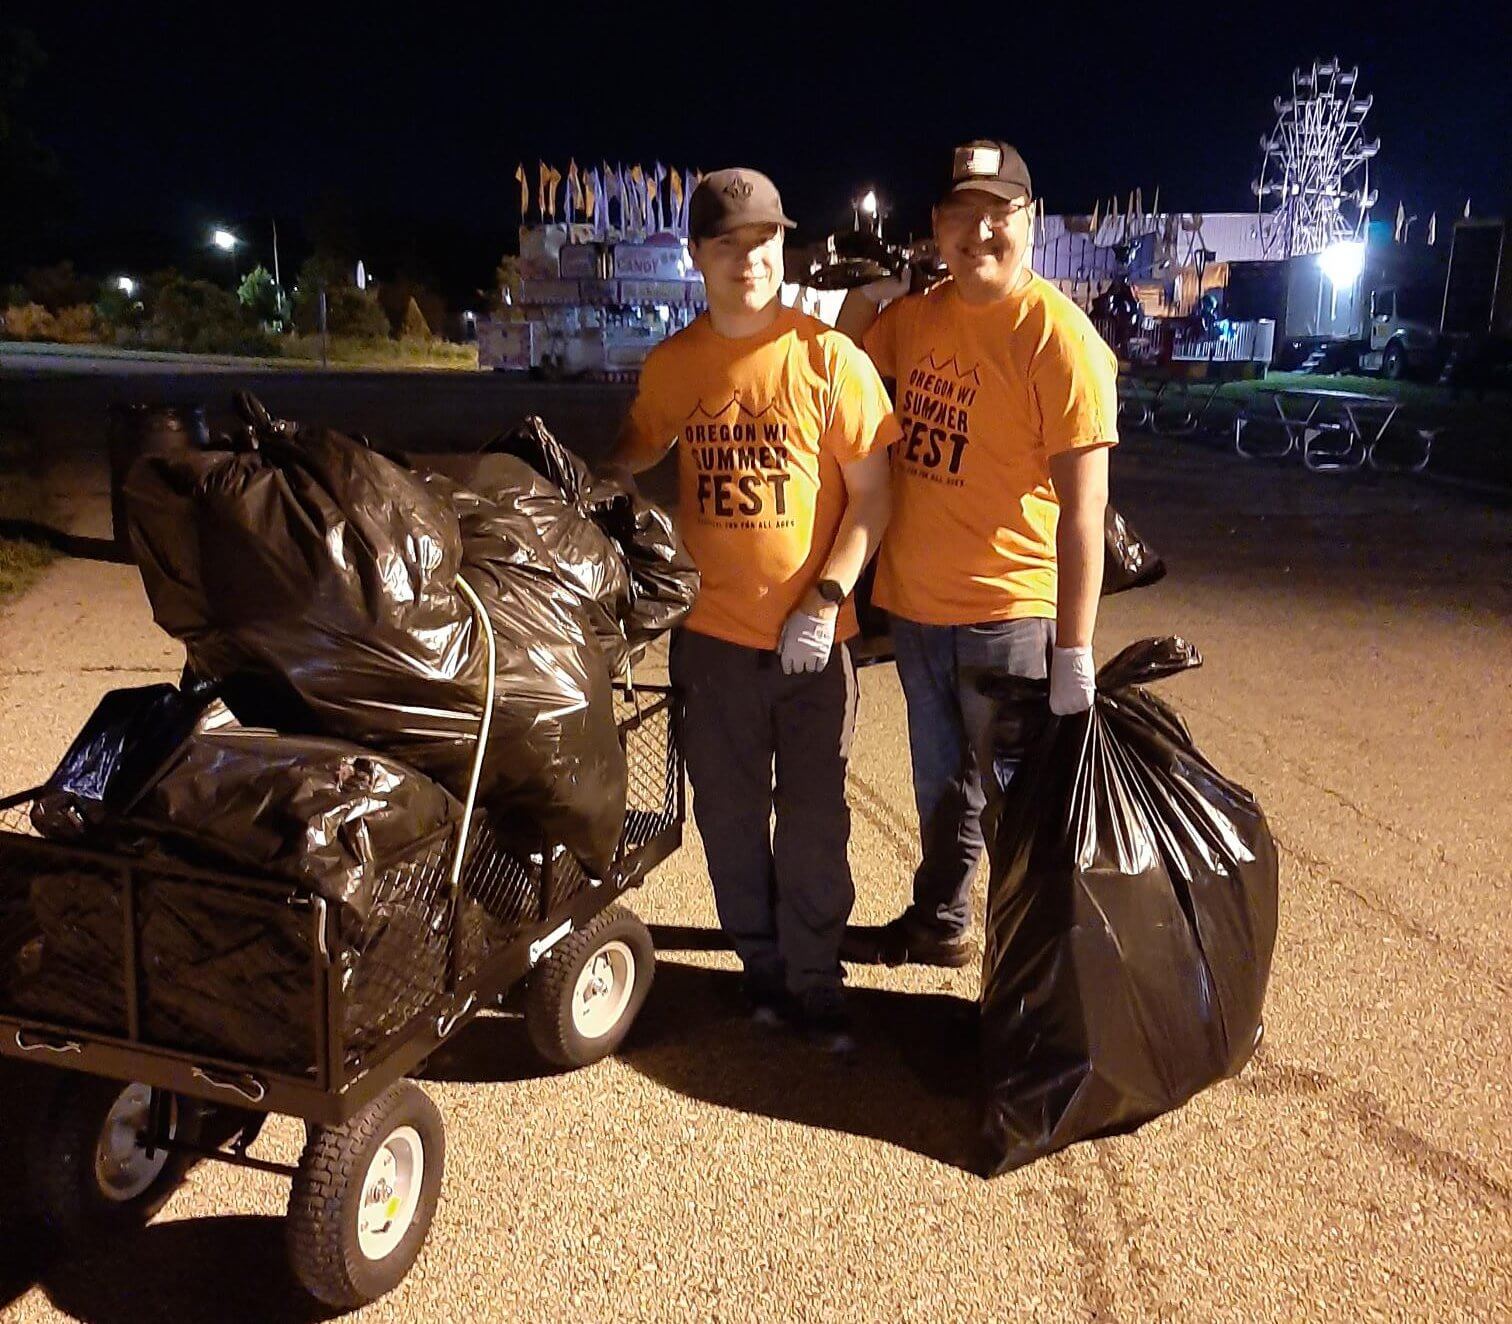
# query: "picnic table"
1333, 431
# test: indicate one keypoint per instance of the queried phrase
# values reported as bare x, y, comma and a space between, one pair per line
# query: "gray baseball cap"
992, 167
727, 199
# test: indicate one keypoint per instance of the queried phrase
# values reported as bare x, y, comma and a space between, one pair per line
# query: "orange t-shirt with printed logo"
986, 395
762, 426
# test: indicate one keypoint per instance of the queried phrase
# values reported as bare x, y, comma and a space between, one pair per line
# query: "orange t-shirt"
986, 395
762, 426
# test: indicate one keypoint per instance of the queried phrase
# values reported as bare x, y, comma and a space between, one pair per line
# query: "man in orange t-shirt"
781, 428
993, 559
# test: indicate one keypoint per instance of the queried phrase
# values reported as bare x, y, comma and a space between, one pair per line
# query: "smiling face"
984, 240
742, 269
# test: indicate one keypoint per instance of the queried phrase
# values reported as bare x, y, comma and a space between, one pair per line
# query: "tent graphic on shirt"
952, 365
742, 462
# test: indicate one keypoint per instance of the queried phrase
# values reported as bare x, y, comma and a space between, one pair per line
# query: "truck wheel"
364, 1197
586, 994
89, 1174
1394, 363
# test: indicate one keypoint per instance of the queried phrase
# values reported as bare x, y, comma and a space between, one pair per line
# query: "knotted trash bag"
662, 574
1131, 915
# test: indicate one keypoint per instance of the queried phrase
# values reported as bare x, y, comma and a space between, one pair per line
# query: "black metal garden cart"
159, 1078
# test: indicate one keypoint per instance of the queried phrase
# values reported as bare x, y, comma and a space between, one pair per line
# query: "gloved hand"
1072, 681
889, 287
806, 642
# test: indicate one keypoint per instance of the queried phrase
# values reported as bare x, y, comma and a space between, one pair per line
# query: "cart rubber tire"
67, 1192
326, 1204
551, 1017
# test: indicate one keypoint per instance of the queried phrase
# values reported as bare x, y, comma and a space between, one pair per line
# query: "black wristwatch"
830, 591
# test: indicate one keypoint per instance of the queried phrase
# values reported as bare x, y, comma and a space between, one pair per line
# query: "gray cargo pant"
759, 742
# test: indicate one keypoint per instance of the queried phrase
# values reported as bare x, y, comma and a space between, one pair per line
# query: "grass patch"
356, 352
22, 498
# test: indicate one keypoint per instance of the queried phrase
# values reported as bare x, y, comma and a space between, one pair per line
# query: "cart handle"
46, 1046
484, 722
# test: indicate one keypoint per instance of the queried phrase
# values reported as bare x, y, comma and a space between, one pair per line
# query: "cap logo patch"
739, 189
979, 162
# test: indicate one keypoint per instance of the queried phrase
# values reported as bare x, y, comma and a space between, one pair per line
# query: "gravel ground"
1356, 632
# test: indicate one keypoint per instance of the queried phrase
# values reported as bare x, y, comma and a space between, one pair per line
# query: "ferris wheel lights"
1343, 262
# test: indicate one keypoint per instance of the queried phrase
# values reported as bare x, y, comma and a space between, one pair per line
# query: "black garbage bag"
664, 577
125, 742
1131, 916
510, 515
315, 581
1128, 560
321, 813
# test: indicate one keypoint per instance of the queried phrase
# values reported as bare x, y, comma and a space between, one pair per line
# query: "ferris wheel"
1314, 184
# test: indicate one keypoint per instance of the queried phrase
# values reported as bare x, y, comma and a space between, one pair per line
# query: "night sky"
406, 123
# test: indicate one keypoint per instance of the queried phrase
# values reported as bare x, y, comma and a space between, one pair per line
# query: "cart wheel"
88, 1172
582, 1000
364, 1197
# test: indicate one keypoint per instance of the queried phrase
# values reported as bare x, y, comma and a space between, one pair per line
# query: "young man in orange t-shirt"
993, 559
781, 427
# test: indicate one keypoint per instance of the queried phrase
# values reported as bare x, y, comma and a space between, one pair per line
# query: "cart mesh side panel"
233, 968
654, 763
226, 974
62, 936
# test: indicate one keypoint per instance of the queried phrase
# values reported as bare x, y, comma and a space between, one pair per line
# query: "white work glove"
1072, 683
889, 287
806, 642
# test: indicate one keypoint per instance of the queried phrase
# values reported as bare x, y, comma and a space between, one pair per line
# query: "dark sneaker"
762, 999
901, 942
820, 1015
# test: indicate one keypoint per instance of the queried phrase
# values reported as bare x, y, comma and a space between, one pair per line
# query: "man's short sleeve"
1075, 380
860, 416
880, 339
651, 426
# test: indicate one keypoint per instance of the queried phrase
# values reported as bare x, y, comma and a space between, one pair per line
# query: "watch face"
830, 591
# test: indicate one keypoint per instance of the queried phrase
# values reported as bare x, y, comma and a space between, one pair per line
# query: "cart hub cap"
390, 1193
122, 1169
603, 990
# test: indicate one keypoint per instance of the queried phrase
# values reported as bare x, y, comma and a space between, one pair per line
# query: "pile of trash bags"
329, 719
316, 580
1131, 915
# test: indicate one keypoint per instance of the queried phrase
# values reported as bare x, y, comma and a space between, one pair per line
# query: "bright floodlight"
224, 239
1343, 262
126, 285
869, 202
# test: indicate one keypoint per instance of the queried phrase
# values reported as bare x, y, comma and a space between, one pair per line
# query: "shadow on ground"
911, 1082
222, 1269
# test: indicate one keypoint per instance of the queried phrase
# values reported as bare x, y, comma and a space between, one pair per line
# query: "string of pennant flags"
647, 201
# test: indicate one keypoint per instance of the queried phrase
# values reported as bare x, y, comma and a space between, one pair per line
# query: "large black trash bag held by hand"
1131, 916
316, 579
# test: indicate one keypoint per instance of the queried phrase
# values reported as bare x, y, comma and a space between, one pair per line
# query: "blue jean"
949, 736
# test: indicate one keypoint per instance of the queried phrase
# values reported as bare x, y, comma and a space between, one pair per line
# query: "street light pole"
277, 280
